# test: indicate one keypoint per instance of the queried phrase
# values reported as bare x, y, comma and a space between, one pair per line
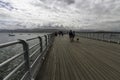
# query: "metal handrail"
11, 73
48, 42
11, 59
9, 44
34, 52
32, 39
103, 36
33, 46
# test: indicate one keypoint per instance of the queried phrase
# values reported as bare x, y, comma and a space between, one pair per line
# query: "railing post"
26, 57
52, 38
110, 37
93, 35
41, 44
118, 42
98, 36
46, 40
103, 37
90, 35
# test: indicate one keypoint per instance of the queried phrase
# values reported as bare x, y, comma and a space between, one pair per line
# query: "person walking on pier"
56, 34
60, 33
71, 35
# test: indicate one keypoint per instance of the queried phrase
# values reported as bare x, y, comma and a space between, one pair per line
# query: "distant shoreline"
28, 31
52, 30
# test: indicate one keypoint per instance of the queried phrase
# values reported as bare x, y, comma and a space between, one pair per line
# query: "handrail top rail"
98, 32
10, 59
16, 42
34, 38
9, 43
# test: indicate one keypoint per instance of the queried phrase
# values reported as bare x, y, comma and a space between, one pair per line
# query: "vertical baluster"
46, 41
26, 57
110, 37
118, 38
103, 36
41, 44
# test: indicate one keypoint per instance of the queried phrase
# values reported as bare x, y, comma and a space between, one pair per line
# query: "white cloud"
77, 13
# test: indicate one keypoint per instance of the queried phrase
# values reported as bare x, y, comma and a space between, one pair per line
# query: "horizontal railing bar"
11, 73
8, 44
35, 60
24, 75
33, 46
44, 46
34, 52
112, 37
100, 32
32, 39
10, 59
42, 36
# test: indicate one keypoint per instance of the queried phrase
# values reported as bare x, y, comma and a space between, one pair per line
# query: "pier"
84, 60
93, 57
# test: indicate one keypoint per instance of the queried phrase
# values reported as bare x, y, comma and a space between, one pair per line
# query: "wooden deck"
84, 60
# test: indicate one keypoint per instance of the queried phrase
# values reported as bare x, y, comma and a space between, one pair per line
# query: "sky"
77, 14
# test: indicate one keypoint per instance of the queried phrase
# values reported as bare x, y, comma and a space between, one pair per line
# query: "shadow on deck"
84, 60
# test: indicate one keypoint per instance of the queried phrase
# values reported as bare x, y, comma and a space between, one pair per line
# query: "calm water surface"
4, 37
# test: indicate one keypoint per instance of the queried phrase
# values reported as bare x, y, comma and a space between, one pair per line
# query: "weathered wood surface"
84, 60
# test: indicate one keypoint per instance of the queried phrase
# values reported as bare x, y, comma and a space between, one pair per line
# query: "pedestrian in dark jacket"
71, 35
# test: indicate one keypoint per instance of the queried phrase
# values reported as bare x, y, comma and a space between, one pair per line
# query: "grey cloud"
69, 1
6, 5
74, 12
66, 1
98, 6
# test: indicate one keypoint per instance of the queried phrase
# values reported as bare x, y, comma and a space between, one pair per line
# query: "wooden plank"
84, 60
